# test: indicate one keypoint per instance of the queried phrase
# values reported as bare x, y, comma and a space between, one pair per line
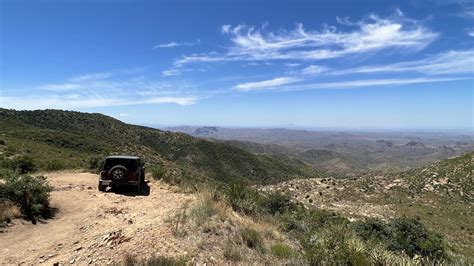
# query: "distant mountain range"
346, 152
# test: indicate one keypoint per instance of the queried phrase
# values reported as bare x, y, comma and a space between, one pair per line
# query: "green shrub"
5, 163
232, 253
278, 202
371, 229
412, 237
253, 239
23, 164
158, 172
282, 251
54, 165
245, 200
30, 193
403, 234
95, 163
335, 244
130, 260
165, 261
301, 221
202, 211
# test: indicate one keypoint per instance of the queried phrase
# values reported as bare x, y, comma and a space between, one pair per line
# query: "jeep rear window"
131, 165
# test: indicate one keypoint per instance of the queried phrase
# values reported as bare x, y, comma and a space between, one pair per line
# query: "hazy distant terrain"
344, 151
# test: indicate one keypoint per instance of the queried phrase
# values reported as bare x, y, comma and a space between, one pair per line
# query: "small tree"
28, 192
23, 164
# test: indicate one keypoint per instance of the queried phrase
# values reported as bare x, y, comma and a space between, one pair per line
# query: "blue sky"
336, 64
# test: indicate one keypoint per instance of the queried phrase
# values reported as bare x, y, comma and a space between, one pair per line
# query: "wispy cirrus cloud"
106, 75
259, 85
101, 89
434, 67
371, 34
470, 32
61, 86
450, 62
70, 103
171, 72
313, 70
175, 44
352, 84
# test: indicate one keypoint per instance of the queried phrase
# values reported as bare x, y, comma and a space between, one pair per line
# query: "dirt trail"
95, 227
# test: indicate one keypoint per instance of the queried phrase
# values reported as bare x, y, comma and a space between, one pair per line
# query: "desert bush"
277, 202
54, 165
30, 193
203, 210
8, 211
165, 261
178, 223
130, 260
412, 237
232, 252
301, 221
282, 251
335, 244
5, 163
23, 164
158, 171
253, 239
371, 229
95, 163
403, 234
244, 199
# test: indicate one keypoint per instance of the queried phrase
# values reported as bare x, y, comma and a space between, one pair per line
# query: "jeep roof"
123, 157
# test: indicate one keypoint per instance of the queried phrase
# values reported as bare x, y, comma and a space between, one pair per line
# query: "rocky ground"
96, 227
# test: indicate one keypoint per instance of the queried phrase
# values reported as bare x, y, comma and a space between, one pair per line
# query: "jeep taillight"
104, 174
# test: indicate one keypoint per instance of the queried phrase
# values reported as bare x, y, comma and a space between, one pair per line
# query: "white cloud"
451, 62
258, 85
175, 44
105, 75
365, 83
171, 72
112, 88
371, 34
313, 70
92, 76
61, 87
467, 11
226, 28
470, 32
58, 102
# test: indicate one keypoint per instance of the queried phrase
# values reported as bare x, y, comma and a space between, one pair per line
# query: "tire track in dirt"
96, 227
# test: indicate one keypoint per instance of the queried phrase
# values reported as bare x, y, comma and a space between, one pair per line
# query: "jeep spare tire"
118, 172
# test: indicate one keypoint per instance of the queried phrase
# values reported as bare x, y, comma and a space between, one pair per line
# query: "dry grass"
8, 212
218, 231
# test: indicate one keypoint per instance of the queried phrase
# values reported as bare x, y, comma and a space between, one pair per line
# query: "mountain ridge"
82, 135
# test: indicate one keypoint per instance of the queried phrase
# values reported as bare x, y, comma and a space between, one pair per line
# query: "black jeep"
122, 170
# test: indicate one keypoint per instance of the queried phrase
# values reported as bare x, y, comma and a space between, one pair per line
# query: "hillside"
348, 152
64, 139
441, 194
453, 177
